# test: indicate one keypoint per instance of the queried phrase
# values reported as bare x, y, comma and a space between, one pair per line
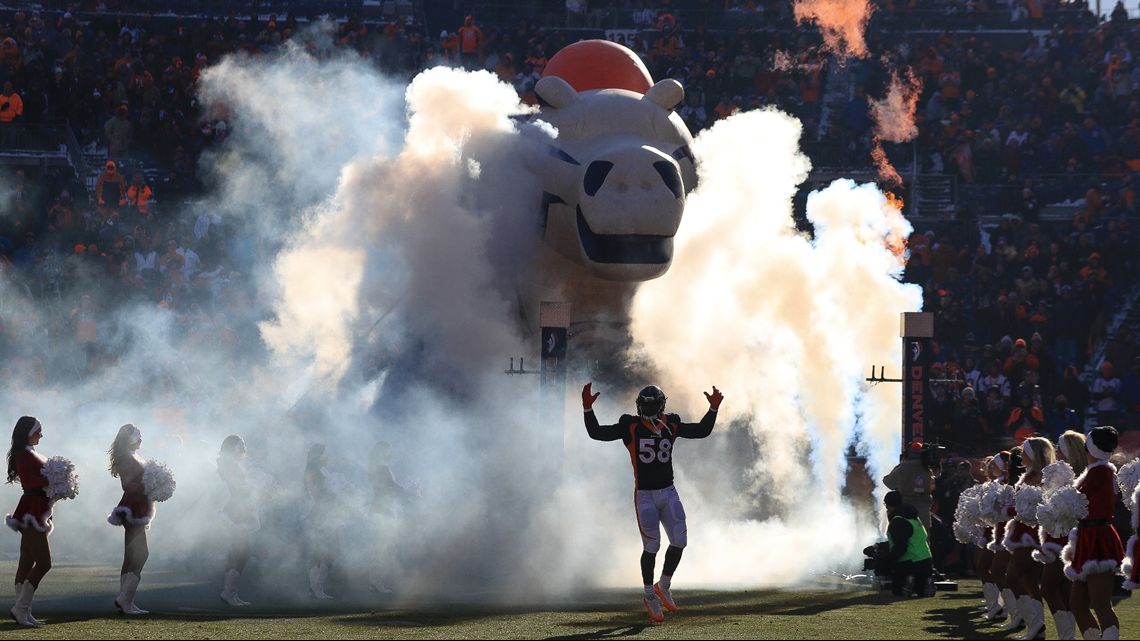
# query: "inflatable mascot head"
616, 178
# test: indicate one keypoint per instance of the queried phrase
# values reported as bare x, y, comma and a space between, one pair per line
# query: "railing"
838, 154
75, 153
1050, 190
38, 140
996, 20
42, 141
241, 8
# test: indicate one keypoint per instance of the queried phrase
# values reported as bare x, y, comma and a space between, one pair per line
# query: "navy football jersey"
650, 450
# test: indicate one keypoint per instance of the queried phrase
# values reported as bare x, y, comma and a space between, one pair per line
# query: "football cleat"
654, 607
666, 597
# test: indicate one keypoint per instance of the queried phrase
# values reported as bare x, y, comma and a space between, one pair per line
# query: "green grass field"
76, 603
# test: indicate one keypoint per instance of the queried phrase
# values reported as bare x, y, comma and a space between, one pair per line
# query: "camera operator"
914, 479
909, 553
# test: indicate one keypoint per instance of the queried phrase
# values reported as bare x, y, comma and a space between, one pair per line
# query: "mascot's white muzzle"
630, 205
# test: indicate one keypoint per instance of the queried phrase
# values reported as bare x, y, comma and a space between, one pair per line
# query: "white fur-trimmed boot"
994, 610
128, 585
1111, 632
1092, 634
316, 583
229, 594
1016, 616
1034, 613
22, 611
1066, 625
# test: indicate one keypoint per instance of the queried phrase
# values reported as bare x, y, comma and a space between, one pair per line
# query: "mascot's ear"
555, 92
668, 93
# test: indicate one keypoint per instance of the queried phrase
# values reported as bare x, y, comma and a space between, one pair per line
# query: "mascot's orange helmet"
599, 64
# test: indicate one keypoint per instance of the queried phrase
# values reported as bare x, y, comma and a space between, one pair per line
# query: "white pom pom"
968, 525
1060, 511
1056, 476
1027, 500
62, 481
158, 482
995, 503
1127, 480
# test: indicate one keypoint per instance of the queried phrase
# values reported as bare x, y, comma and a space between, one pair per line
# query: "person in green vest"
912, 569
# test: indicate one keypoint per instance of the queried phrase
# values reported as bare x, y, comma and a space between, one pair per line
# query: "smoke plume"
786, 326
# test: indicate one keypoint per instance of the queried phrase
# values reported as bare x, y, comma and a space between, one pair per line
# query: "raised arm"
596, 430
705, 427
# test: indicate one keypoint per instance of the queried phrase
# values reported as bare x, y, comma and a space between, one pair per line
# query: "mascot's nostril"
671, 177
596, 175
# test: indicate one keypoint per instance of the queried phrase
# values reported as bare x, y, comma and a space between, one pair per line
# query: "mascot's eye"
596, 175
672, 179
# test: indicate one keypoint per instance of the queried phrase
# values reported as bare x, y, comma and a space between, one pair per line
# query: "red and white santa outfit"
34, 509
1051, 547
1130, 567
134, 508
1094, 545
1019, 534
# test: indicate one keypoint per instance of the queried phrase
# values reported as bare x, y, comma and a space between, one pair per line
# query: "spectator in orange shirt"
536, 59
667, 44
138, 196
11, 106
449, 47
470, 44
10, 54
505, 70
111, 190
1027, 420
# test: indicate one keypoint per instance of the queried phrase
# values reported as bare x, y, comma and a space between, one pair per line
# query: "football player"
649, 437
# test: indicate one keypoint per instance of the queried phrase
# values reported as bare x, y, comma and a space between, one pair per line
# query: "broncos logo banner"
554, 319
917, 358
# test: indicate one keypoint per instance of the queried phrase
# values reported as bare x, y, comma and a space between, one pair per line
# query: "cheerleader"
984, 556
239, 515
1092, 556
1009, 463
1055, 587
325, 542
32, 518
1021, 541
1002, 554
1131, 566
134, 513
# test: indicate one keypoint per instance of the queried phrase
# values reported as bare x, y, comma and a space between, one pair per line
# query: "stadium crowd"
1041, 120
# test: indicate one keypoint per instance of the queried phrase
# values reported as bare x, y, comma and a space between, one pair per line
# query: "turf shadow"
960, 623
607, 633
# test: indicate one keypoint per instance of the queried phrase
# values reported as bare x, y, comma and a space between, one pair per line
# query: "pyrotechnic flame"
894, 227
894, 114
841, 22
888, 176
894, 122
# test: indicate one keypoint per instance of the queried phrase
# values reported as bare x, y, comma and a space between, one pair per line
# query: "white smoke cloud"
787, 326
